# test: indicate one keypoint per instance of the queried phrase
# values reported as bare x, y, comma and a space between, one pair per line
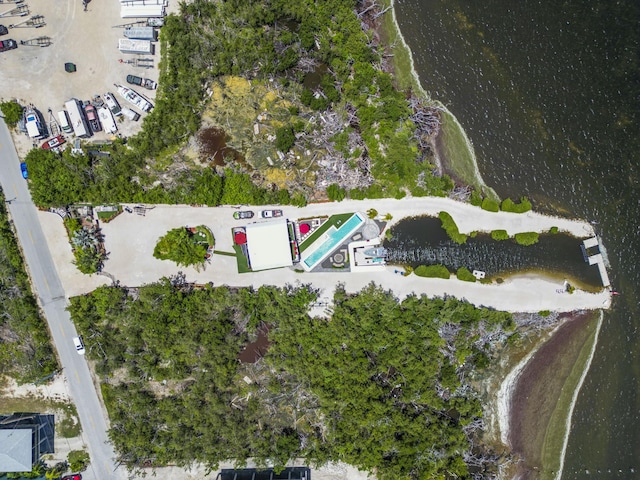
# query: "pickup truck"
270, 213
7, 45
142, 82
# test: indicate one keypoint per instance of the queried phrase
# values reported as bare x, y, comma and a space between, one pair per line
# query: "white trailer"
77, 118
139, 11
128, 45
64, 122
140, 33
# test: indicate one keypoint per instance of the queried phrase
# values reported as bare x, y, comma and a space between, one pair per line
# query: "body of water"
549, 94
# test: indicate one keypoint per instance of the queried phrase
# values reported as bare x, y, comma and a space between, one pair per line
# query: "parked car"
8, 45
142, 82
74, 476
53, 142
79, 344
23, 169
92, 117
270, 213
3, 30
243, 214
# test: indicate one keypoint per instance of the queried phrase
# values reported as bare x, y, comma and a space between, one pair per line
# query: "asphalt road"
51, 295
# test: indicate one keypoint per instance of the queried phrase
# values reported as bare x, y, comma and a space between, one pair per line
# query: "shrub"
490, 205
432, 271
336, 193
372, 213
78, 460
499, 235
544, 313
464, 274
12, 112
449, 225
285, 138
179, 246
553, 230
508, 205
527, 238
476, 198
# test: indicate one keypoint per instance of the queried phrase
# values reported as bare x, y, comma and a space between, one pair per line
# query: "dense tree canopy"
25, 349
380, 385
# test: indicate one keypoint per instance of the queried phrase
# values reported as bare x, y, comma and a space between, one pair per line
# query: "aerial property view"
242, 242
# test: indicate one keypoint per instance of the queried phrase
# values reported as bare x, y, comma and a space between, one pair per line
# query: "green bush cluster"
12, 112
508, 205
179, 246
449, 225
527, 238
78, 460
499, 235
464, 274
336, 193
553, 230
285, 138
432, 271
490, 205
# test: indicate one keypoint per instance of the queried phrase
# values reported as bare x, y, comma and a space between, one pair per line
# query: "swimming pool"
334, 237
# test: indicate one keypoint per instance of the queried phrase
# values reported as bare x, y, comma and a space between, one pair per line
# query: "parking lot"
89, 39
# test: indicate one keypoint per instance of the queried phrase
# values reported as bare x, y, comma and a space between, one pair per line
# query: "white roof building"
269, 245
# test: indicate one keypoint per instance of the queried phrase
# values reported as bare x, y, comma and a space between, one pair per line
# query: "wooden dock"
596, 258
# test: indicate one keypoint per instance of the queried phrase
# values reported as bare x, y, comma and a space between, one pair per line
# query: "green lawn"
333, 220
204, 235
243, 264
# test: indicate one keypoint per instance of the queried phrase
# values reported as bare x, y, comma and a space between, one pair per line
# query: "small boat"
376, 252
106, 118
134, 98
53, 143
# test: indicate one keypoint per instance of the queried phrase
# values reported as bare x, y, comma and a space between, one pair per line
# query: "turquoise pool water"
334, 239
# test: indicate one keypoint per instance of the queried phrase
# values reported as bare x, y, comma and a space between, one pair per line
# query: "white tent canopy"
268, 245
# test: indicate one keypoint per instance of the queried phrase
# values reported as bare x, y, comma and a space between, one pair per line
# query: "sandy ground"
35, 75
130, 239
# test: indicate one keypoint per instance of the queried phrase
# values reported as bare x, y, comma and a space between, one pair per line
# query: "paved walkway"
130, 240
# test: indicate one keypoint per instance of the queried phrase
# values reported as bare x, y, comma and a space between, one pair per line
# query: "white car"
77, 341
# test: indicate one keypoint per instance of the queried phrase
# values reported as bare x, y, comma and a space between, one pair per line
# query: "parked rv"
63, 119
77, 118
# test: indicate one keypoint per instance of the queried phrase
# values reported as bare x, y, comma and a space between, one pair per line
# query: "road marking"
77, 376
31, 237
15, 189
62, 330
47, 284
91, 420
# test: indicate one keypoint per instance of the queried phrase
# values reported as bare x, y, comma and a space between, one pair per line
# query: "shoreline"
467, 169
574, 398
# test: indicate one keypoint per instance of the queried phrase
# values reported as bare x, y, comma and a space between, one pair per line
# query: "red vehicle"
53, 142
75, 476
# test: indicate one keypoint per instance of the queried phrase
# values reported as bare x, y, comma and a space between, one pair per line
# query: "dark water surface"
549, 93
423, 241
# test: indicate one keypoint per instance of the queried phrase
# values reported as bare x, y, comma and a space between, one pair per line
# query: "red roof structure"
240, 238
304, 228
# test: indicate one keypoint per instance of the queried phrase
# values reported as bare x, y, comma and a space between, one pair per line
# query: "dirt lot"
35, 75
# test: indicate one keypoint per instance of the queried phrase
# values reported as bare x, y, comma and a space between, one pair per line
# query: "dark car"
23, 169
8, 45
243, 214
3, 30
270, 213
